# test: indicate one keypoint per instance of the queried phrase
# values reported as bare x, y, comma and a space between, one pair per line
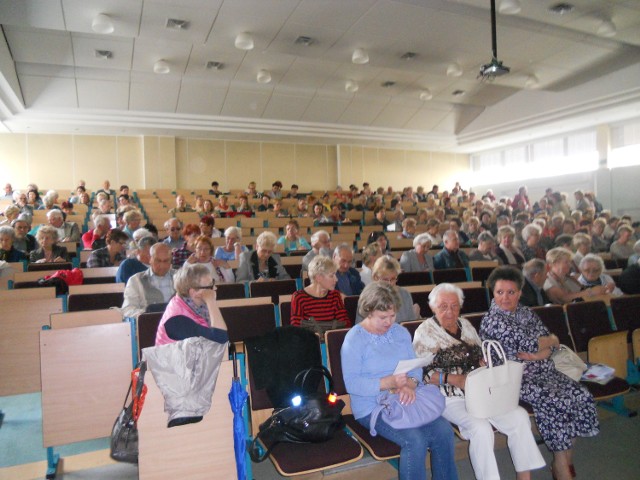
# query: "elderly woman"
622, 248
224, 206
8, 252
563, 409
95, 238
320, 245
591, 268
370, 353
560, 287
370, 253
451, 346
232, 245
531, 248
633, 259
193, 311
320, 300
486, 248
204, 256
433, 229
10, 214
386, 269
113, 254
408, 228
132, 220
261, 264
581, 245
48, 251
507, 251
418, 259
598, 242
291, 240
190, 233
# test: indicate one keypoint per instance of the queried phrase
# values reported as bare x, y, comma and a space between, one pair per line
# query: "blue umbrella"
237, 398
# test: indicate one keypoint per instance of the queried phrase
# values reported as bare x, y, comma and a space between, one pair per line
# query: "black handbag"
124, 435
313, 417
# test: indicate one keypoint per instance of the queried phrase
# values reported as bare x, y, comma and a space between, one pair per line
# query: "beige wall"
60, 161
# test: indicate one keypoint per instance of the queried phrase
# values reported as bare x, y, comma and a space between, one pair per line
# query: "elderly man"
173, 226
535, 274
152, 288
320, 245
140, 262
23, 241
67, 231
8, 192
450, 256
181, 206
349, 281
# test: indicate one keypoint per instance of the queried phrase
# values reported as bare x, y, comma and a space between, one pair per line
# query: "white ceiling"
53, 81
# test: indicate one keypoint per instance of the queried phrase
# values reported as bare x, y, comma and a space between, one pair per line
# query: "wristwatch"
415, 380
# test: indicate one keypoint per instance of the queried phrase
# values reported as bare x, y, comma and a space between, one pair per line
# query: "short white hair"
529, 229
444, 288
422, 239
315, 238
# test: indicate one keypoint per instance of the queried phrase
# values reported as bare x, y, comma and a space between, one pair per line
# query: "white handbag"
568, 362
493, 390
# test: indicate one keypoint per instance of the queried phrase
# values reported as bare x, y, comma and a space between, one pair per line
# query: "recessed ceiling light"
606, 29
303, 40
387, 84
454, 70
104, 54
408, 56
360, 56
211, 65
426, 95
176, 24
509, 7
161, 67
102, 24
264, 76
244, 41
561, 8
458, 93
351, 86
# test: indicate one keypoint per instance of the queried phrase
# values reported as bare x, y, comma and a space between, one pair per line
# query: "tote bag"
568, 362
494, 389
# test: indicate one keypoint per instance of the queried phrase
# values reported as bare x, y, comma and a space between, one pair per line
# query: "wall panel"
50, 159
13, 160
279, 163
95, 160
243, 165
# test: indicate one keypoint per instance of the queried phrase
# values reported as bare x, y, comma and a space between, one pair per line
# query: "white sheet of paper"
405, 366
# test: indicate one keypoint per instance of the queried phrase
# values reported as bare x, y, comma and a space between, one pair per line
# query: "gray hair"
444, 288
100, 220
533, 267
11, 209
422, 239
146, 241
132, 216
378, 296
529, 230
167, 224
385, 263
232, 230
558, 253
266, 240
592, 258
54, 213
486, 237
188, 278
141, 233
636, 247
340, 248
506, 231
315, 238
450, 235
580, 239
321, 265
47, 230
6, 230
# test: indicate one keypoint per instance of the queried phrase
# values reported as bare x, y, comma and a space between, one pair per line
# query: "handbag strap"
383, 400
305, 373
487, 346
254, 448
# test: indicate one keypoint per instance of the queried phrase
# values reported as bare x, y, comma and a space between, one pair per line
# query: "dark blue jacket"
444, 259
354, 281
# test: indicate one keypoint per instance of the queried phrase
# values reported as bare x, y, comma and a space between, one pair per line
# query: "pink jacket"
176, 306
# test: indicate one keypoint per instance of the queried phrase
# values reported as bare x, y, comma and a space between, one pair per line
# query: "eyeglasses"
206, 287
124, 243
444, 307
389, 279
174, 229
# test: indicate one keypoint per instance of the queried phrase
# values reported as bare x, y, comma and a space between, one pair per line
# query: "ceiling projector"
493, 70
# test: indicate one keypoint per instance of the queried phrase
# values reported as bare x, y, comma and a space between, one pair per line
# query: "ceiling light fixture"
304, 40
408, 56
244, 41
509, 7
102, 24
176, 24
607, 29
351, 86
387, 84
104, 54
212, 65
161, 67
360, 56
454, 70
458, 93
531, 82
561, 8
264, 76
426, 95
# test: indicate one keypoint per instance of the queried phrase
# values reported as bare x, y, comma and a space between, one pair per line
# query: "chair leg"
616, 405
52, 463
633, 375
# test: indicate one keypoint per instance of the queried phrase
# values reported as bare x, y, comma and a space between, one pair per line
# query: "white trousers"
515, 425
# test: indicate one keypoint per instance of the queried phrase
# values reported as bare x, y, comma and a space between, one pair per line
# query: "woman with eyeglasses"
113, 254
563, 409
452, 347
261, 264
386, 270
204, 256
193, 311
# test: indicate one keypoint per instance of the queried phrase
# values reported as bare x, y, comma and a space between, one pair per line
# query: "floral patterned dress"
563, 408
